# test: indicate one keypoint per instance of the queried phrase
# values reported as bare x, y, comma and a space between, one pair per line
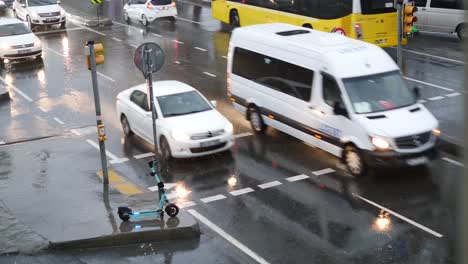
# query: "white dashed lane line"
198, 48
188, 20
18, 91
269, 184
145, 155
135, 46
241, 135
55, 52
114, 159
435, 98
105, 77
213, 198
157, 35
187, 204
453, 162
452, 94
177, 62
116, 39
297, 178
209, 74
58, 121
242, 191
429, 84
322, 172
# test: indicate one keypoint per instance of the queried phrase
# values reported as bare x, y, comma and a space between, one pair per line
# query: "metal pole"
97, 104
400, 35
149, 82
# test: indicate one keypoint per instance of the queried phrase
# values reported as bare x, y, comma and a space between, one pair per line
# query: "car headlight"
37, 44
180, 136
436, 132
380, 143
4, 47
228, 128
34, 15
62, 12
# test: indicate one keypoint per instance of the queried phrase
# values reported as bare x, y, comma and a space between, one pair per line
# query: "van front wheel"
353, 160
256, 121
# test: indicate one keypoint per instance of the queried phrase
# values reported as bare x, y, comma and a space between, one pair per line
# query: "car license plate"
51, 19
209, 143
417, 161
24, 51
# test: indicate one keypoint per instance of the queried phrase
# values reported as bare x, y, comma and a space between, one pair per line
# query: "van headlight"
37, 44
34, 15
228, 128
62, 12
380, 143
180, 136
436, 132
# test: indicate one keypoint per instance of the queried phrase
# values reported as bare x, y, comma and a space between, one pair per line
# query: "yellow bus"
373, 21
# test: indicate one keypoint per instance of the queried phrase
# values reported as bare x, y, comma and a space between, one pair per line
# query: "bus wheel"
307, 26
234, 19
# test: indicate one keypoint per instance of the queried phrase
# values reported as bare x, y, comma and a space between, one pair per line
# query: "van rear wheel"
461, 33
256, 121
354, 161
234, 19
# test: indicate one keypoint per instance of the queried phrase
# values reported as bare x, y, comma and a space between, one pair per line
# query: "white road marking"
42, 109
18, 91
322, 172
145, 155
188, 20
92, 30
429, 84
422, 101
432, 232
269, 184
105, 77
84, 131
58, 30
2, 142
297, 178
433, 56
247, 134
241, 191
225, 57
157, 35
452, 94
167, 186
135, 46
125, 25
228, 237
58, 120
187, 204
198, 48
116, 161
114, 158
74, 131
209, 74
213, 198
116, 39
177, 62
435, 98
56, 52
176, 41
454, 162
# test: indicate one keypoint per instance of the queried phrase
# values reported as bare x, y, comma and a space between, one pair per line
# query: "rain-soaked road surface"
283, 200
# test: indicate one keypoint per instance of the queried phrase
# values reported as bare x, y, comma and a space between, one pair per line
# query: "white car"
17, 41
39, 12
146, 11
187, 124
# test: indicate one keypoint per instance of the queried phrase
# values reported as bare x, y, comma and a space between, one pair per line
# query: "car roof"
8, 21
161, 88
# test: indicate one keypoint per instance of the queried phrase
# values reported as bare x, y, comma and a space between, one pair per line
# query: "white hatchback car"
187, 124
39, 12
17, 41
146, 11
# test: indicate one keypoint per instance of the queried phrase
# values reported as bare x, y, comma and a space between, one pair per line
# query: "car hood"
19, 39
398, 122
45, 9
197, 123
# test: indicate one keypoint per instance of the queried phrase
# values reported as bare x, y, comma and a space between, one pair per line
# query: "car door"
140, 8
137, 112
421, 14
443, 16
147, 124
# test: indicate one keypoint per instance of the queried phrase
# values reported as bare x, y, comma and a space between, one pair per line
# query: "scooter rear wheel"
171, 210
124, 213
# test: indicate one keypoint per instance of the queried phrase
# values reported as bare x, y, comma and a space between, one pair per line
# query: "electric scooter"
125, 213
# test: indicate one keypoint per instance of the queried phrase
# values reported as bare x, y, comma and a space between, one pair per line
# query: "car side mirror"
339, 109
417, 92
214, 103
23, 5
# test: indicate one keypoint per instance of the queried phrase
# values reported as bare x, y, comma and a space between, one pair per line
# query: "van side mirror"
214, 103
339, 109
23, 5
417, 92
58, 2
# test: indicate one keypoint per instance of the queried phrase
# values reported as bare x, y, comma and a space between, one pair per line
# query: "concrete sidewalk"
51, 197
84, 12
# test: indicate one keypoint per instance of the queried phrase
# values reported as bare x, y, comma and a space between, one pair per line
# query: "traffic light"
409, 18
98, 54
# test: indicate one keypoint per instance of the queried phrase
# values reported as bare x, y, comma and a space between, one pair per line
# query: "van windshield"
380, 92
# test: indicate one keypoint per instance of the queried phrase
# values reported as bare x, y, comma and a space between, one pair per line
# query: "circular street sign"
149, 58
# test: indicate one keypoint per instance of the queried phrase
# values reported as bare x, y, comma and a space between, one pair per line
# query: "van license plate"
209, 143
417, 161
24, 51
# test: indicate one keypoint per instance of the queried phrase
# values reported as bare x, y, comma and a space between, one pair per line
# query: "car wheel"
126, 126
234, 19
172, 19
144, 20
256, 120
354, 161
461, 33
165, 149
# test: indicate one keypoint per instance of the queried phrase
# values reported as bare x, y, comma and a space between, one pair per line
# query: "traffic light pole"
400, 34
149, 81
97, 104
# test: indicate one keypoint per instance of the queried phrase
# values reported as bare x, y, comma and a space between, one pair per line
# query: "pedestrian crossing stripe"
96, 2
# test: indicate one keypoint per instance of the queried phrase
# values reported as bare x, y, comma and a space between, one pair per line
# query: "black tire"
15, 15
234, 19
165, 149
256, 120
171, 210
461, 33
354, 161
172, 19
124, 213
307, 26
126, 17
127, 129
144, 21
63, 25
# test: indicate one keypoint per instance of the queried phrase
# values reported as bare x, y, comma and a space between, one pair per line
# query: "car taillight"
173, 4
149, 5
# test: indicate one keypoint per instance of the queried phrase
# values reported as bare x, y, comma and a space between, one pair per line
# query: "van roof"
340, 55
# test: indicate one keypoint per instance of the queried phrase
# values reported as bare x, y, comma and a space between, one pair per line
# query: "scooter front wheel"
171, 210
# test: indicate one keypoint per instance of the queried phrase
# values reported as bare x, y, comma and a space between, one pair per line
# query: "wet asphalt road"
327, 217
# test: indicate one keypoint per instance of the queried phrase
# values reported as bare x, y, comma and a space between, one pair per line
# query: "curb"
447, 145
90, 22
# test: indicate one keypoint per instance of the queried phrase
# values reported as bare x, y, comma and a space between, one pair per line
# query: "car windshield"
182, 104
41, 2
14, 29
378, 92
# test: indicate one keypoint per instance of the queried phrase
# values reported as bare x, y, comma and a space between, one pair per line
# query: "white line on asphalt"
114, 159
58, 31
225, 57
125, 25
422, 101
228, 237
209, 74
157, 35
56, 52
435, 98
167, 186
188, 20
433, 56
453, 94
429, 84
241, 191
246, 134
269, 184
145, 155
432, 232
454, 162
198, 48
92, 30
105, 77
74, 131
187, 204
42, 109
297, 178
135, 46
116, 39
176, 41
58, 120
2, 142
213, 198
177, 62
16, 90
322, 172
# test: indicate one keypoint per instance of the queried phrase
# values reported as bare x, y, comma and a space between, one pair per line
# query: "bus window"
377, 6
332, 9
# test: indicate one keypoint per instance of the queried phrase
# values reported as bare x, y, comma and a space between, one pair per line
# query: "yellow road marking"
113, 177
128, 188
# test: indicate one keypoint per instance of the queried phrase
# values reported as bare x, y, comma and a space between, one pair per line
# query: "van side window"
331, 91
421, 3
449, 4
279, 75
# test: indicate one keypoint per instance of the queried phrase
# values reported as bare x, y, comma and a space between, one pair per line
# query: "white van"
342, 95
442, 16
